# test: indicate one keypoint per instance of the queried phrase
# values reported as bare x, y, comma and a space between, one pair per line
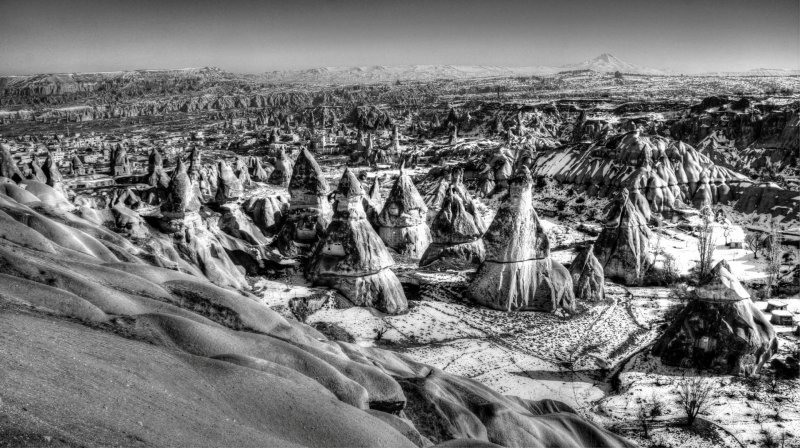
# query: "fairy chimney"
352, 258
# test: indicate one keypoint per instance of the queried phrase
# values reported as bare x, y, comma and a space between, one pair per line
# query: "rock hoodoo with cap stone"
518, 273
720, 329
402, 220
351, 257
309, 211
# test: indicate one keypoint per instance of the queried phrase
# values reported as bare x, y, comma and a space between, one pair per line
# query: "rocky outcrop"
669, 174
242, 172
352, 258
373, 202
8, 168
53, 175
309, 210
440, 400
588, 278
227, 357
120, 165
501, 164
189, 233
518, 273
257, 171
623, 246
770, 199
267, 212
76, 166
720, 329
182, 195
195, 163
229, 187
156, 175
402, 220
457, 230
49, 196
282, 174
435, 198
129, 223
36, 172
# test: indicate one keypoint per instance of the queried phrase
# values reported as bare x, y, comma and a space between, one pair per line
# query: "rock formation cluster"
457, 231
588, 276
352, 258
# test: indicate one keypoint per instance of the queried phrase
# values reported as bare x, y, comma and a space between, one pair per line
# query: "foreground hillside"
98, 351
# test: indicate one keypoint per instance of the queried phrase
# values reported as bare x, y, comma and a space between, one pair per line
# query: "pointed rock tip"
349, 185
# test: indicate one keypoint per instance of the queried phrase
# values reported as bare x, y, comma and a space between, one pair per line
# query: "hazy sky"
39, 36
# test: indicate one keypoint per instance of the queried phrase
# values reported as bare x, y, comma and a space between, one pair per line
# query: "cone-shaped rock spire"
36, 171
719, 329
229, 187
157, 177
456, 232
242, 173
259, 173
309, 211
54, 178
8, 168
352, 258
77, 166
402, 220
195, 163
120, 165
182, 196
282, 173
518, 273
622, 248
587, 276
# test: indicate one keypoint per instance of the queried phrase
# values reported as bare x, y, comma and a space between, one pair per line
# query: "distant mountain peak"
607, 62
607, 57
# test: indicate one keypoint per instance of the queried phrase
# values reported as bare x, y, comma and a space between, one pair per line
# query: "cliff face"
770, 200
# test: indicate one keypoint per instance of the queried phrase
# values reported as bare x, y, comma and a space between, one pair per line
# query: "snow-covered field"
597, 360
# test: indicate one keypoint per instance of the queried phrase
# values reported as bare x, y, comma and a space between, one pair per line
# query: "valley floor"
597, 361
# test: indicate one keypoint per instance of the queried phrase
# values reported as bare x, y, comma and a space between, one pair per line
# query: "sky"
250, 36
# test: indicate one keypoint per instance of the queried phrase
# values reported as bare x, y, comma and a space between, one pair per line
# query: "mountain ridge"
604, 63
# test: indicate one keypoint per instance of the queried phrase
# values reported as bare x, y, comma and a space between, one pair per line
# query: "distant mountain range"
761, 72
605, 63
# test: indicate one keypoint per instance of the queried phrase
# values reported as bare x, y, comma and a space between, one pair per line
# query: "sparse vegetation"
754, 243
648, 412
705, 244
694, 396
773, 255
380, 330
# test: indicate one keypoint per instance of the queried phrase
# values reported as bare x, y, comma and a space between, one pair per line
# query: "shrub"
694, 396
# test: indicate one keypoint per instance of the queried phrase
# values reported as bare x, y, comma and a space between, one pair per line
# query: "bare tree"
773, 255
647, 413
754, 242
694, 396
705, 243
